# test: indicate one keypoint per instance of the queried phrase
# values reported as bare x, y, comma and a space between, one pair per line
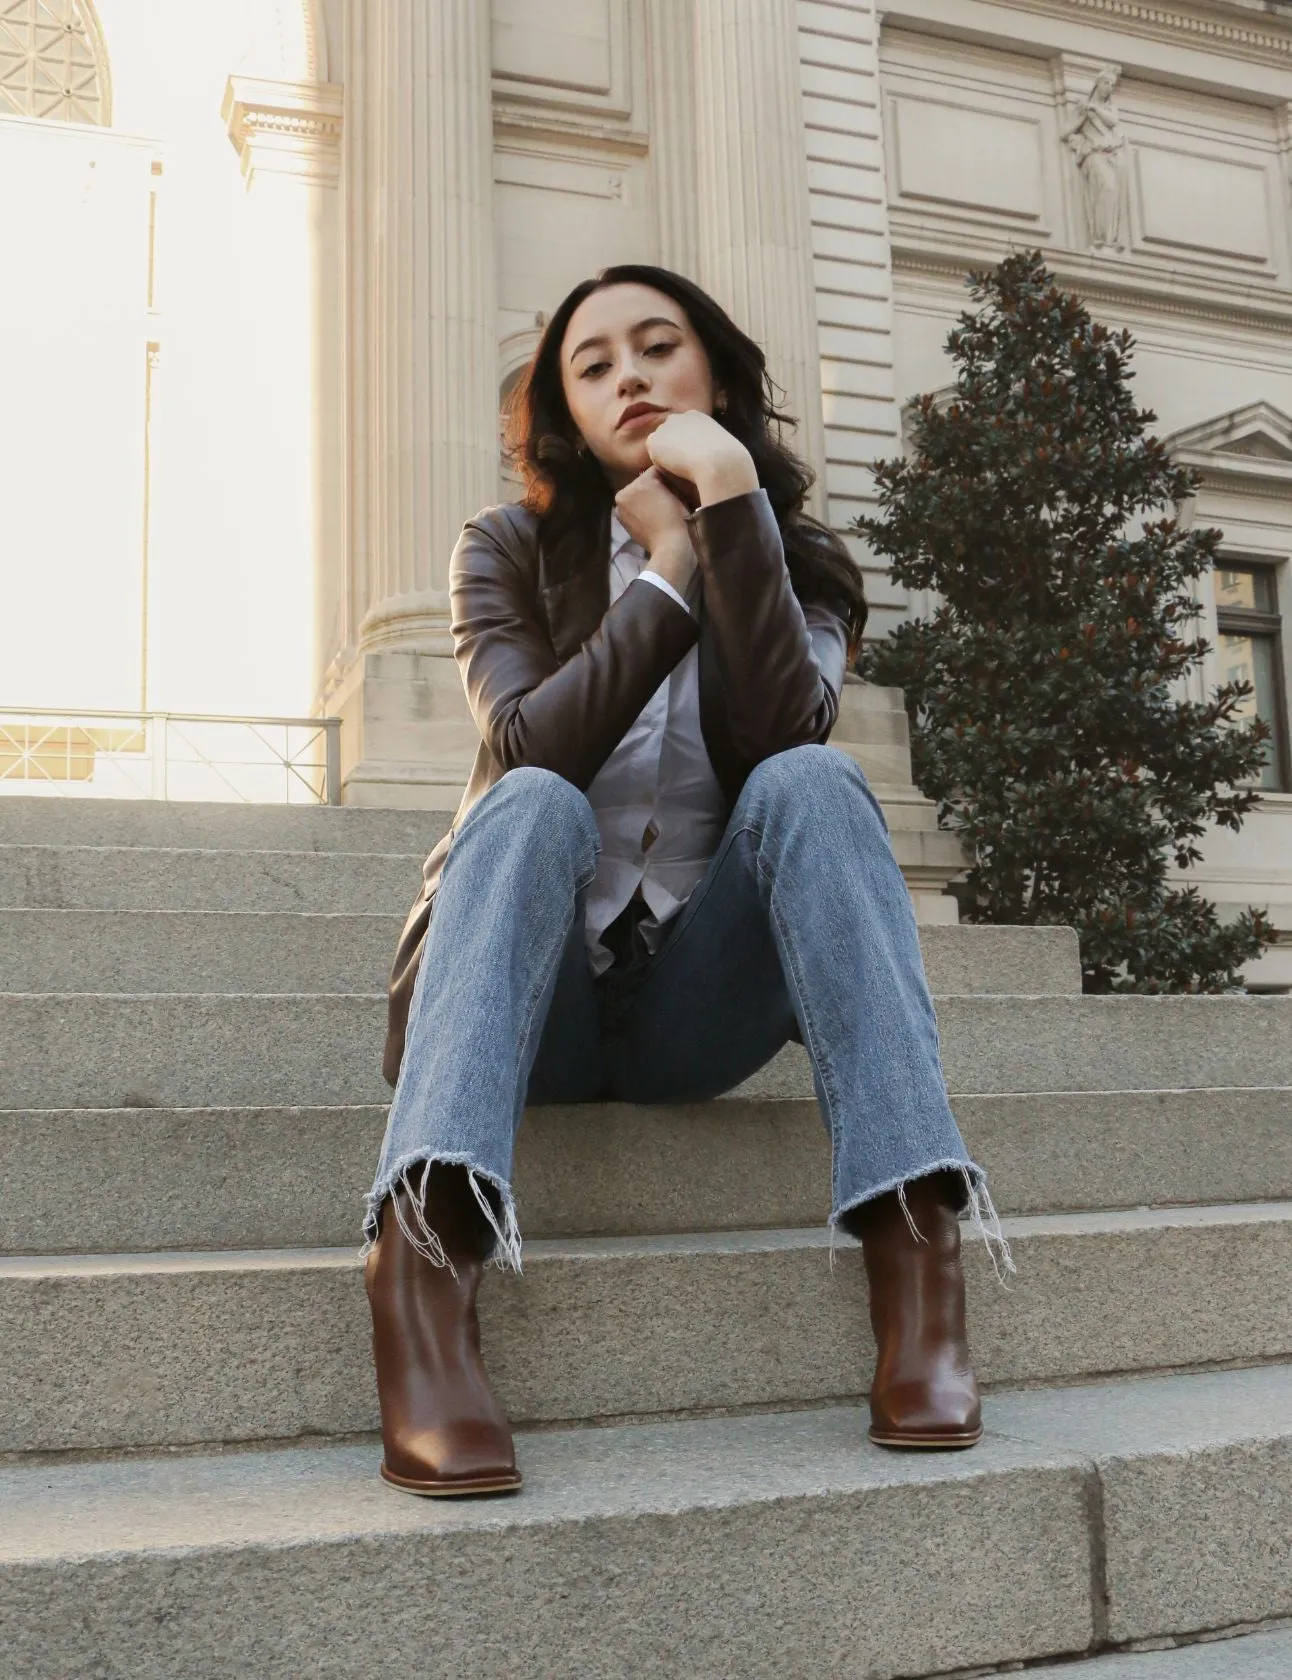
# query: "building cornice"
286, 128
1226, 30
1216, 25
1107, 283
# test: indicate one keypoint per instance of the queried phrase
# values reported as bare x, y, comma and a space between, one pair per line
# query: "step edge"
1009, 1452
1087, 1223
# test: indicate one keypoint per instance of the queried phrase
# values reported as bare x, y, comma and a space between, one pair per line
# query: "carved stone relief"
1093, 134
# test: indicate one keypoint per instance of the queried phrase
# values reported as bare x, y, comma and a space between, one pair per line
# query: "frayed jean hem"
404, 1175
984, 1221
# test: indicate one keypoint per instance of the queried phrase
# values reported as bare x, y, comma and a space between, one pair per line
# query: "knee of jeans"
541, 797
803, 773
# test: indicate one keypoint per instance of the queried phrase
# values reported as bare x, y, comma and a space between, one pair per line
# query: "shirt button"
650, 834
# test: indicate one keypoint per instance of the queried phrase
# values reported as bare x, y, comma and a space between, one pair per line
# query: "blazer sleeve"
530, 708
781, 666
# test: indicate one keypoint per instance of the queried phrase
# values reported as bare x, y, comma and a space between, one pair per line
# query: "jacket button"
650, 834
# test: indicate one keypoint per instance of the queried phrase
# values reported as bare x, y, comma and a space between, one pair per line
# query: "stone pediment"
1252, 444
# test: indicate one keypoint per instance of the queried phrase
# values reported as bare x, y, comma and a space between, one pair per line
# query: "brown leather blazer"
555, 675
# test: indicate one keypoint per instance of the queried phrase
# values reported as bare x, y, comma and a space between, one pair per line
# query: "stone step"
358, 881
110, 1351
739, 1548
212, 952
1247, 1656
147, 1051
157, 878
209, 825
108, 1180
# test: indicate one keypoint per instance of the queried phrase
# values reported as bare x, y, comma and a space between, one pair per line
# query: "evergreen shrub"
1047, 688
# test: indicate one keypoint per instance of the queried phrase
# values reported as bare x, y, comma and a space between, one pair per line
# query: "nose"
632, 376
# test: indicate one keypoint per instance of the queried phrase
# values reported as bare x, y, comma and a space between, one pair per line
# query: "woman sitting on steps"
658, 874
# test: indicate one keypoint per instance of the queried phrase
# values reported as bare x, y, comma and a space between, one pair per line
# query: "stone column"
671, 31
754, 220
424, 404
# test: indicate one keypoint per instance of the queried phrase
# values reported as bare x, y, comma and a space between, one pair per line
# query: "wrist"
733, 475
674, 560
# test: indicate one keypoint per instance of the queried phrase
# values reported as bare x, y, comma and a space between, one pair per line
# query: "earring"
580, 448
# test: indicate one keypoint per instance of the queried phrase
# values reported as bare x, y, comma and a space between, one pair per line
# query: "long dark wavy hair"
570, 493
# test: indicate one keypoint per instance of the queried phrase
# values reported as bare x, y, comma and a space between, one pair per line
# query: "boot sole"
927, 1443
452, 1490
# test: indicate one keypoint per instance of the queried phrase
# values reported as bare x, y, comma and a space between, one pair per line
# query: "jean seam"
819, 1061
580, 885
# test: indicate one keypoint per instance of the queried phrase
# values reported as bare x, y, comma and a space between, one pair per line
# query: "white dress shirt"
659, 807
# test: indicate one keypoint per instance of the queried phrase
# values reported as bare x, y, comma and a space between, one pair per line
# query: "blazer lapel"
576, 592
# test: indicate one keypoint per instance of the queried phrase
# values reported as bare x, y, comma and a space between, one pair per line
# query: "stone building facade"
328, 231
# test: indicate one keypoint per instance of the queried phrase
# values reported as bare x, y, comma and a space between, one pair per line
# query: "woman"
658, 874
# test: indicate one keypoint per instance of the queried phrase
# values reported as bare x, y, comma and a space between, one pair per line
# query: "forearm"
775, 694
574, 719
674, 561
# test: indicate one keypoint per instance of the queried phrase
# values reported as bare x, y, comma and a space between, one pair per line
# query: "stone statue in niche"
1094, 135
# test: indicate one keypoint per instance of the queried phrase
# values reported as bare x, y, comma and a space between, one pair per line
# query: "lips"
637, 411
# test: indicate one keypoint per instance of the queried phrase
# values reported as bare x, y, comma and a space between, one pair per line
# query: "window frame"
1268, 624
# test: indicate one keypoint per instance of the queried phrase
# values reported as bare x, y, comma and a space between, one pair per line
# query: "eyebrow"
603, 338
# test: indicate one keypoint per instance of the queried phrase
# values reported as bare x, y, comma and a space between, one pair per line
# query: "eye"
593, 369
664, 345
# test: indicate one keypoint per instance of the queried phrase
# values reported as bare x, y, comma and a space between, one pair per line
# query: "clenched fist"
694, 447
650, 512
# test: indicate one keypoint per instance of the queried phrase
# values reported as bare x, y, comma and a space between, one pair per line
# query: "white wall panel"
560, 43
1189, 201
954, 155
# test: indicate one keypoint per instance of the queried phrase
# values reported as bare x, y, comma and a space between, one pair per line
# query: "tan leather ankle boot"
924, 1393
442, 1428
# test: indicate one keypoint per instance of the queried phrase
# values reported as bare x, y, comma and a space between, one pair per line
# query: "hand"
656, 518
650, 512
693, 446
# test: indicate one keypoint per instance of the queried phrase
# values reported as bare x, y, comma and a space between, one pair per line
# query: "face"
629, 357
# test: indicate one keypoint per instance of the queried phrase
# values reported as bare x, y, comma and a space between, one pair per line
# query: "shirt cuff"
667, 587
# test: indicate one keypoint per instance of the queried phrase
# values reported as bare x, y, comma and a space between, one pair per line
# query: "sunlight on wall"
231, 392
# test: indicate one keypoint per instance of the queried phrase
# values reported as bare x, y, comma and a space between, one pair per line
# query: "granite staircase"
190, 1025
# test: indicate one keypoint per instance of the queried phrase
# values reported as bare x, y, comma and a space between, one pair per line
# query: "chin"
634, 462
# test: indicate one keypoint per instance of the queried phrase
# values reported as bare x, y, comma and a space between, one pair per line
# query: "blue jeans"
802, 920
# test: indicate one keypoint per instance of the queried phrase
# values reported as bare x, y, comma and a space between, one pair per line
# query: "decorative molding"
1117, 282
1248, 449
53, 62
285, 128
611, 113
1167, 20
314, 30
516, 121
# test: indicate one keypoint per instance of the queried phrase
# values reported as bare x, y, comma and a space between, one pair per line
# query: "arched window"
52, 61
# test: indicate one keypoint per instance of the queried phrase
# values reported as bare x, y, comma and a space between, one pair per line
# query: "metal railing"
170, 755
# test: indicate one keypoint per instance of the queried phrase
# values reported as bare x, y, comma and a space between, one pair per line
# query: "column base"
408, 740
